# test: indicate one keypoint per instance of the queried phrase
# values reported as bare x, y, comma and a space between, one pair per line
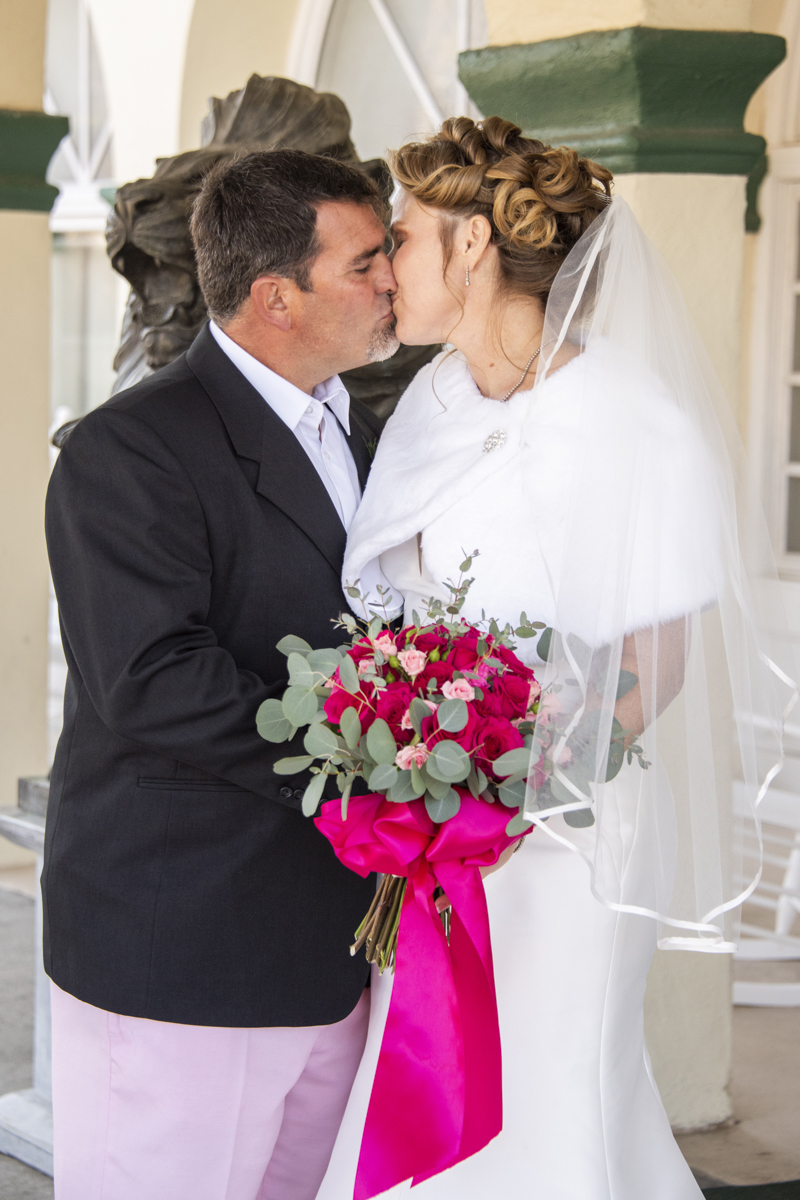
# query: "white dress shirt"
319, 423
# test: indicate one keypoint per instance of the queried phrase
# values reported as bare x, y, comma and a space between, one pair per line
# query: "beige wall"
228, 41
24, 349
22, 26
512, 21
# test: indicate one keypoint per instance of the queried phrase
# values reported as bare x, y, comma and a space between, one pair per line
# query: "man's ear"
272, 301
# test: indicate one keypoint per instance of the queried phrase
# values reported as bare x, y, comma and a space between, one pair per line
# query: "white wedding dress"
583, 1119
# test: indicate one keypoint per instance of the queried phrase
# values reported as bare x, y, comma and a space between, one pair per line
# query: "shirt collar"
287, 401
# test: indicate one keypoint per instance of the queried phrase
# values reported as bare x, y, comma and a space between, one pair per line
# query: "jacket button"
298, 795
286, 792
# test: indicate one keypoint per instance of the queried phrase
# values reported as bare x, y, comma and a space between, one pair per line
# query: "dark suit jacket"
188, 532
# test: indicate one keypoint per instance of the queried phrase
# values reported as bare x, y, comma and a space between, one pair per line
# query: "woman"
600, 499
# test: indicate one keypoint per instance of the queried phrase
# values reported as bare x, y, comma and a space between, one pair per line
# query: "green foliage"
313, 795
383, 777
404, 789
452, 715
449, 762
320, 741
512, 794
418, 712
272, 723
299, 705
293, 766
349, 675
517, 825
512, 761
350, 727
291, 645
380, 743
442, 808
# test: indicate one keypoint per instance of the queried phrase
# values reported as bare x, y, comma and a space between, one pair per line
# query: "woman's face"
427, 310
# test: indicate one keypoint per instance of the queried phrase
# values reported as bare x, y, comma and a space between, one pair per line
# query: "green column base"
28, 140
635, 99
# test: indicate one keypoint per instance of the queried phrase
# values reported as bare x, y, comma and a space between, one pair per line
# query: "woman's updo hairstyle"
537, 199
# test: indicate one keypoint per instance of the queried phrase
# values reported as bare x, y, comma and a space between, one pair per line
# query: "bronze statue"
148, 231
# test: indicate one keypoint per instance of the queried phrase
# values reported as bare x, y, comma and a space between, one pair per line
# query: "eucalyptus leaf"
350, 727
320, 741
383, 777
313, 795
324, 662
418, 712
293, 766
437, 787
452, 715
349, 675
272, 723
404, 790
381, 743
300, 673
511, 762
543, 645
579, 818
416, 779
517, 825
293, 645
472, 783
512, 794
299, 705
627, 681
525, 631
443, 809
449, 762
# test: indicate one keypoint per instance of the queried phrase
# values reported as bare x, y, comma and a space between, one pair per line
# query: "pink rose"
458, 689
513, 693
494, 737
408, 754
385, 643
412, 661
406, 721
534, 693
365, 665
549, 707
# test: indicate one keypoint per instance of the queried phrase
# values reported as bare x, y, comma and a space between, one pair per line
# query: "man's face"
347, 320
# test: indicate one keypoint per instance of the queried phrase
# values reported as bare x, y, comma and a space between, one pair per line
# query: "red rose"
511, 662
495, 736
464, 653
362, 649
513, 692
490, 705
392, 705
431, 638
440, 671
340, 699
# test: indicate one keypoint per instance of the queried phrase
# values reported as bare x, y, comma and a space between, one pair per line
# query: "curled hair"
537, 199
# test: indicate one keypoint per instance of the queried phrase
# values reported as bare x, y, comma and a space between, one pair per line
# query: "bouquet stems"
377, 933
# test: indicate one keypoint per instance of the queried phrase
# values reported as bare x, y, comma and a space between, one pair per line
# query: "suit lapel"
360, 440
286, 477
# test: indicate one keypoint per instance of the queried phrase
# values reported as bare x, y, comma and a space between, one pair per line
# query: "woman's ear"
272, 303
474, 236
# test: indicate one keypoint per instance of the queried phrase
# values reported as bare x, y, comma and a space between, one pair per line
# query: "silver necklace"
521, 379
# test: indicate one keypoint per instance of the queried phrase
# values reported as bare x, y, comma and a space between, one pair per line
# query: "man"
207, 1016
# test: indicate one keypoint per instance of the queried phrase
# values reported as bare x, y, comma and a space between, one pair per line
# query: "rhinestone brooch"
498, 438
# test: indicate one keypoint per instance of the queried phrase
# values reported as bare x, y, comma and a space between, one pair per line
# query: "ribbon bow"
437, 1095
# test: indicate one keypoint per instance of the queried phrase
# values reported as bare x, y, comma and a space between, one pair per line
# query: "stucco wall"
24, 349
228, 41
512, 21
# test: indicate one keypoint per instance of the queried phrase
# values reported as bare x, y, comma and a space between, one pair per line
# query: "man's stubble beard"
383, 344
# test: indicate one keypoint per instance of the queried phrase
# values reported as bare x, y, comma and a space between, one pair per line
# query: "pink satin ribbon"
437, 1095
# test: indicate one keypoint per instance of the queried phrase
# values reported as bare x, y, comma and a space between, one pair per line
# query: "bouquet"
448, 729
434, 712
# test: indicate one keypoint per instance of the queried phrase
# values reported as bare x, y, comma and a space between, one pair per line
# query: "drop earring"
468, 275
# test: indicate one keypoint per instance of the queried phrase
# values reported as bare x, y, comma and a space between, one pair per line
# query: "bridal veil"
653, 583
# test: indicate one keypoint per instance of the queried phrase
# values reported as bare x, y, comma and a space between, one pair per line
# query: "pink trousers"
146, 1110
